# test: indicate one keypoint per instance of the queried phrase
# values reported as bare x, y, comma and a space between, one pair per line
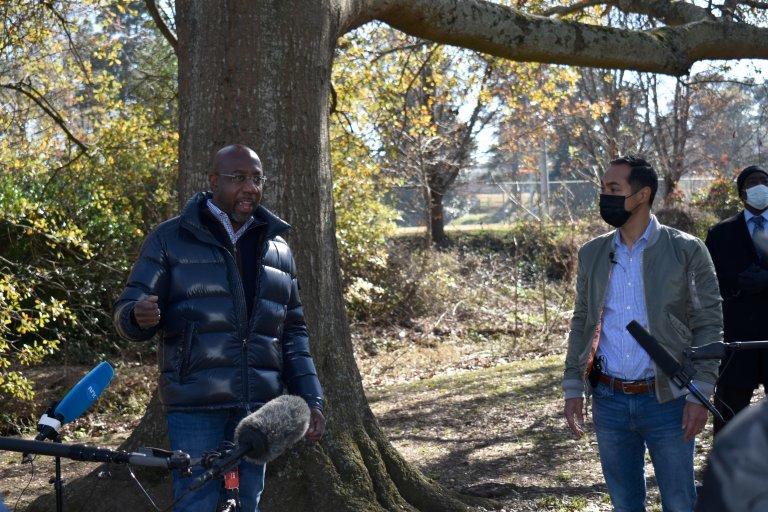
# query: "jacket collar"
190, 219
651, 233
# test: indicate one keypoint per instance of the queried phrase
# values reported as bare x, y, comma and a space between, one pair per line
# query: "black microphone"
681, 375
264, 435
658, 354
612, 257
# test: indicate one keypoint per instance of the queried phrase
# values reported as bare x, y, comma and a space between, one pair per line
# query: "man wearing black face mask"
664, 279
739, 248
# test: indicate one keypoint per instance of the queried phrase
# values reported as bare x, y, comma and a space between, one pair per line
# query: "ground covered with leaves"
494, 431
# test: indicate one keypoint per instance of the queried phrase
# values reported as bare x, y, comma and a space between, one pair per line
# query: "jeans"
201, 431
625, 424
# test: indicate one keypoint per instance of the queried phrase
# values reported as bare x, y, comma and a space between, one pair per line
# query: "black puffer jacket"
209, 355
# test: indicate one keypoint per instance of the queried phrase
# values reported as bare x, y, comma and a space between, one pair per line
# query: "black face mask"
612, 209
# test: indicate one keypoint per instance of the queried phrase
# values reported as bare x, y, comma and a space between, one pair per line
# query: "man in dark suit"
739, 249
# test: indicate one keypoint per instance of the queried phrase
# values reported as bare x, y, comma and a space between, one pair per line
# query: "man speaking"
219, 284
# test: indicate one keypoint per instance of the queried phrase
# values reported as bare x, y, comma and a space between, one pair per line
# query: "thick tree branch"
46, 107
509, 33
161, 25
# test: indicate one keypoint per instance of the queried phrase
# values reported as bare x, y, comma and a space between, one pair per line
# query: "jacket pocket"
693, 291
185, 350
680, 328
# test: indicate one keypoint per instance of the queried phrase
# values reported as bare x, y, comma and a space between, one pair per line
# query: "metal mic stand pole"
58, 483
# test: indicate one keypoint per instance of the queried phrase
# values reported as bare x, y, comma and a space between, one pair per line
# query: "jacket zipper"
242, 314
693, 290
248, 322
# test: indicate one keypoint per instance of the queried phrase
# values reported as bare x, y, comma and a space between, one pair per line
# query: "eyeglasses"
240, 179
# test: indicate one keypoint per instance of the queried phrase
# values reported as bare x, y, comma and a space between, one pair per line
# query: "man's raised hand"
146, 311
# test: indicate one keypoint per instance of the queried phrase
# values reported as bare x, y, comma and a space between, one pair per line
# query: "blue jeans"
625, 424
198, 432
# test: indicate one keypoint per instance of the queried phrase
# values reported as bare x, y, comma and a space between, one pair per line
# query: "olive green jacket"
682, 300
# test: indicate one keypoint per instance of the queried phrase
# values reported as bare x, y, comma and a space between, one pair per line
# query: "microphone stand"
684, 378
148, 457
716, 350
48, 428
58, 482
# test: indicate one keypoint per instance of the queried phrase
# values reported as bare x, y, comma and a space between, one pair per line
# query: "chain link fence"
504, 202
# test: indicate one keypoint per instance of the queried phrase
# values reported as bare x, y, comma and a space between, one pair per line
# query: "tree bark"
436, 217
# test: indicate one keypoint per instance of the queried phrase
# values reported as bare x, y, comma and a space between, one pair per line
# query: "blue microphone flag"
85, 392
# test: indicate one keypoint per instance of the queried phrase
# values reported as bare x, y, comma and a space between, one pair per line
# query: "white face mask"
757, 197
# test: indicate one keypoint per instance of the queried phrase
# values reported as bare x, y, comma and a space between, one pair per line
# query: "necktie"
760, 238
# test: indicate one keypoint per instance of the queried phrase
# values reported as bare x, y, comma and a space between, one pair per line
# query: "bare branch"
161, 25
699, 81
671, 12
28, 91
406, 47
562, 10
64, 26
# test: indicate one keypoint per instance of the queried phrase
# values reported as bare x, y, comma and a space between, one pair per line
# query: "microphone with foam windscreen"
681, 374
262, 436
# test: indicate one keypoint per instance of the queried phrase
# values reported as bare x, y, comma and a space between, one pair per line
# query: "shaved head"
229, 158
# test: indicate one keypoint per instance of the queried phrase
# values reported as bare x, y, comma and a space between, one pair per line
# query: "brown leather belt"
630, 387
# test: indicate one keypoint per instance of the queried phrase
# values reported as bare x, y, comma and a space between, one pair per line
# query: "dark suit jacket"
745, 316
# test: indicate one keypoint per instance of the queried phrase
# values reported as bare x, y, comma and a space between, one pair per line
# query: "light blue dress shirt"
622, 356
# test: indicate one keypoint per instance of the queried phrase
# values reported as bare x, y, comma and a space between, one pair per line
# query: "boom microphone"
76, 402
657, 353
681, 375
262, 436
274, 428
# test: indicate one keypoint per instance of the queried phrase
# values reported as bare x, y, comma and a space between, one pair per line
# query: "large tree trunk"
258, 73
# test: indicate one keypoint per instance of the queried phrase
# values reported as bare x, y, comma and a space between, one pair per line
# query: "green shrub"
721, 198
68, 237
691, 220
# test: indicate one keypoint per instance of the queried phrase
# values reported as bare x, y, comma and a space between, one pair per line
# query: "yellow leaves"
598, 109
24, 318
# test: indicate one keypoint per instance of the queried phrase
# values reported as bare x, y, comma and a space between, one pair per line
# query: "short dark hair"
641, 174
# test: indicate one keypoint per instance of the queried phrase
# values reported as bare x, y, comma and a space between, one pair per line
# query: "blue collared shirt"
234, 236
625, 301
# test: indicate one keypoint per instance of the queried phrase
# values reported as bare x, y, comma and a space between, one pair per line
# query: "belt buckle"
625, 387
